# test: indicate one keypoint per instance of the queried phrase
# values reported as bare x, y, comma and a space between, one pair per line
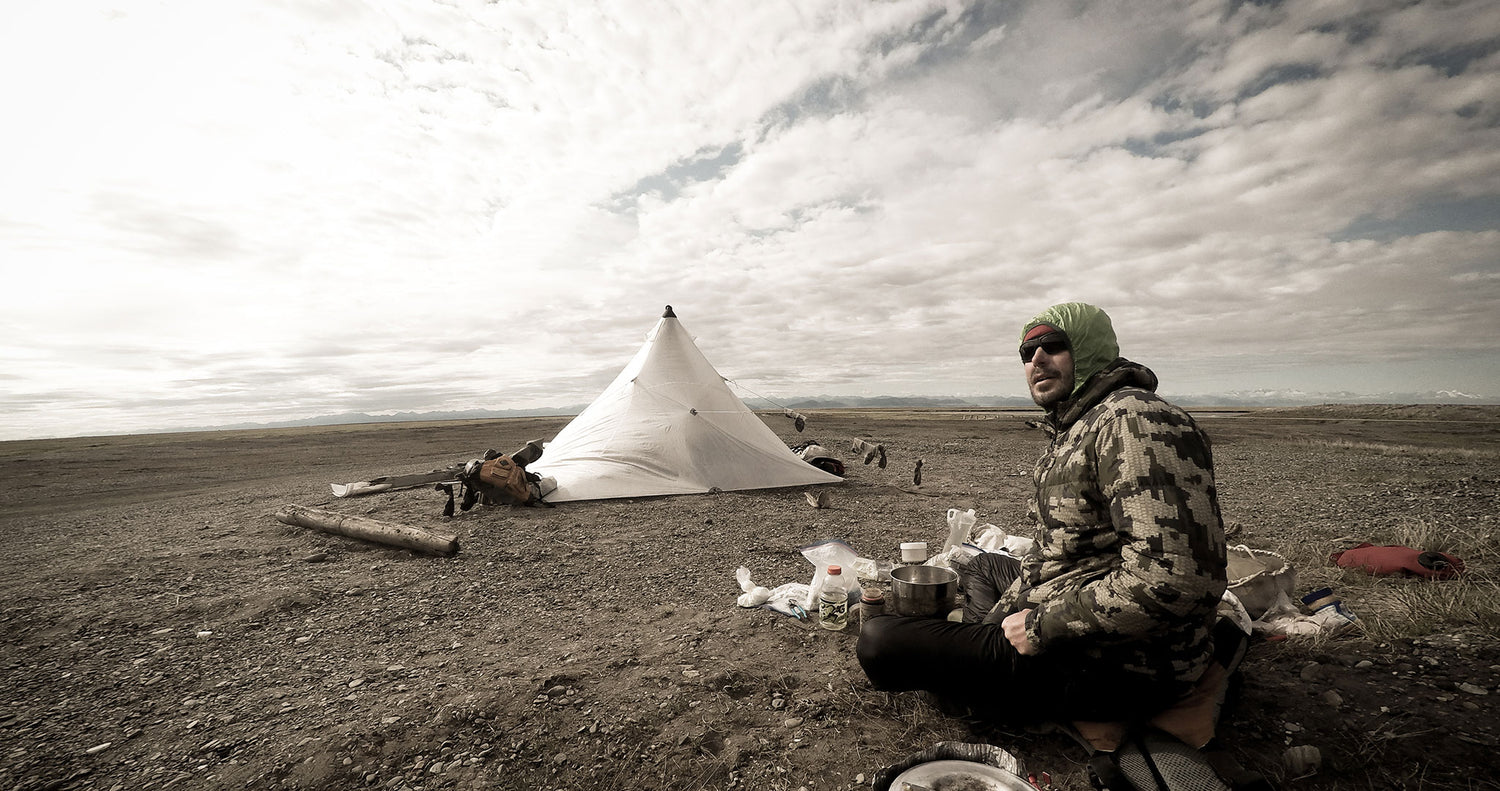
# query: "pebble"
1332, 698
98, 748
778, 703
302, 639
1472, 689
791, 722
356, 682
1363, 664
1311, 671
205, 633
316, 557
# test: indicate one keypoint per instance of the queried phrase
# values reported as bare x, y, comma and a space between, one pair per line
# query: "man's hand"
1014, 626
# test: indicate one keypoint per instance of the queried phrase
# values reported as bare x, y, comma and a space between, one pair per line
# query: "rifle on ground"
496, 478
391, 483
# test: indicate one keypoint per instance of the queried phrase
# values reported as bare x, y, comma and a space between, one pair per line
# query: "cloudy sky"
255, 211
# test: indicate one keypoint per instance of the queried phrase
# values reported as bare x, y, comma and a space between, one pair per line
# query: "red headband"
1038, 331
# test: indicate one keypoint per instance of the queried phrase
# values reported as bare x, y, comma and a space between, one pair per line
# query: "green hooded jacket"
1130, 557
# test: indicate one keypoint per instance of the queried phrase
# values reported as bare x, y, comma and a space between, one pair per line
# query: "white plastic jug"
959, 523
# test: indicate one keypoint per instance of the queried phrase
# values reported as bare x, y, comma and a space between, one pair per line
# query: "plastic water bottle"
833, 600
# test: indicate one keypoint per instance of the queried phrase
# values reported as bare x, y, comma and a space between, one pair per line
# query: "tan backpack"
499, 479
502, 481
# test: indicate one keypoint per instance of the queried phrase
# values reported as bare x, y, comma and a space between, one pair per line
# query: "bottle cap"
835, 570
873, 595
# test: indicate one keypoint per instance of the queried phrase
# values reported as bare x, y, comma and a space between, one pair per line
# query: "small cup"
914, 552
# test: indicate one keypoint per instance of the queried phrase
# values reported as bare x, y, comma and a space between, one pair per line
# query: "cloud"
295, 209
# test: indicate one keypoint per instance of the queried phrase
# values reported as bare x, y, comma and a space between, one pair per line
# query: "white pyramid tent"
669, 425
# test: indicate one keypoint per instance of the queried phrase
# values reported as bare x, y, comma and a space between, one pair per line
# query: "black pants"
972, 666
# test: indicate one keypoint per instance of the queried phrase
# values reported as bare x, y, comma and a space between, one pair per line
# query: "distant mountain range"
1251, 398
347, 418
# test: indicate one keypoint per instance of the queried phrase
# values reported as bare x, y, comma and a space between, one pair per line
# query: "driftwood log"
413, 538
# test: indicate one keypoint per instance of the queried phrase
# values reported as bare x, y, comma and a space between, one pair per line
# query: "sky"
227, 212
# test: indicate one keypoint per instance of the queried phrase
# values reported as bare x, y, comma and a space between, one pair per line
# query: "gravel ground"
159, 628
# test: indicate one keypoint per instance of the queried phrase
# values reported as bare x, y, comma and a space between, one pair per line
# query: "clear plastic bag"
824, 554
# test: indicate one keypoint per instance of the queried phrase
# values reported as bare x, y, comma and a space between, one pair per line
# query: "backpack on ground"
499, 479
818, 456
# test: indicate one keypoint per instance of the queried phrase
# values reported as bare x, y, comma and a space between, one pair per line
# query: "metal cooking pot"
923, 591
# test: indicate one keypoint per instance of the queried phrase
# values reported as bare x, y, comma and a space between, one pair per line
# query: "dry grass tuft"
1388, 449
1403, 607
1411, 608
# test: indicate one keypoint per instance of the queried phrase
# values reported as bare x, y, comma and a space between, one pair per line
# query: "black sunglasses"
1052, 348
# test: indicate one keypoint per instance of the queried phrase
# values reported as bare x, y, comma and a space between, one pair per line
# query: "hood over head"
1089, 333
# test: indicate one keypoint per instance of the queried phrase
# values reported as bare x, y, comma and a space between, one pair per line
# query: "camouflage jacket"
1129, 565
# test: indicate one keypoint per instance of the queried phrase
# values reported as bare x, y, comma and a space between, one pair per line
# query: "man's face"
1050, 375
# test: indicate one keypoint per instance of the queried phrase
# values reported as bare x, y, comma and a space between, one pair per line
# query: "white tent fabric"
669, 425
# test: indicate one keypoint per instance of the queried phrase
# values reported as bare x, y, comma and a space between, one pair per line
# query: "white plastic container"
914, 552
959, 525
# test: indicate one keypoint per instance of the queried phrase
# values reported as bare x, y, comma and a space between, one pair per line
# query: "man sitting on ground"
1110, 616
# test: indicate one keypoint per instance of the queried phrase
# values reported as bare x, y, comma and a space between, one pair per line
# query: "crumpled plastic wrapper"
754, 595
1284, 618
993, 539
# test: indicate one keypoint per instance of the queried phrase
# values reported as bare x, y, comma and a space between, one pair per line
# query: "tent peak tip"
668, 314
